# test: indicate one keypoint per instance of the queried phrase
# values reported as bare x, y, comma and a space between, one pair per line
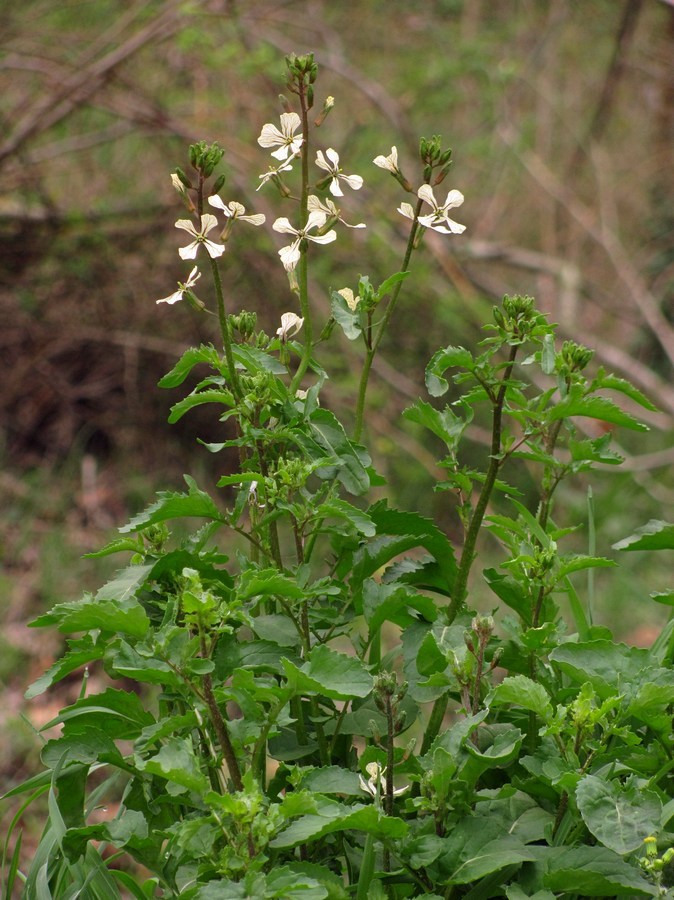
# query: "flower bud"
183, 177
219, 183
285, 103
327, 106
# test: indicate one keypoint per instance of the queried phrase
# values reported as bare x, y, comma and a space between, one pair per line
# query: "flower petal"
214, 250
454, 198
290, 255
189, 252
216, 201
334, 187
354, 181
208, 221
406, 209
283, 225
425, 192
322, 238
187, 225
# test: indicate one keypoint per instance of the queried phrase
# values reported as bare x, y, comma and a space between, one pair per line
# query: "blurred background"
561, 118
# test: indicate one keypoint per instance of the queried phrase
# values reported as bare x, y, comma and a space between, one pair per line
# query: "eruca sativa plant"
302, 698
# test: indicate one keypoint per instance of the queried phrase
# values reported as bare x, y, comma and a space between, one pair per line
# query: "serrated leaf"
620, 816
340, 509
615, 383
337, 817
171, 505
334, 674
654, 535
391, 602
212, 395
268, 582
81, 653
593, 872
176, 763
578, 562
332, 780
575, 404
189, 359
611, 668
440, 362
522, 691
119, 714
328, 433
113, 609
443, 423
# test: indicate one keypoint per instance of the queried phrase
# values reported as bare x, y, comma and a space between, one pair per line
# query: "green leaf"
443, 423
578, 562
340, 509
595, 450
393, 603
620, 816
119, 714
655, 535
327, 672
82, 652
522, 691
190, 358
328, 433
332, 780
177, 764
347, 319
194, 504
213, 395
338, 817
277, 629
266, 582
593, 872
440, 362
113, 609
611, 668
413, 530
575, 404
390, 282
614, 383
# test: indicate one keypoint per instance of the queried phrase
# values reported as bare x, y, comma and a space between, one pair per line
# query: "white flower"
236, 210
331, 165
329, 209
390, 163
290, 325
284, 139
207, 223
407, 210
192, 279
290, 255
284, 167
438, 220
376, 784
177, 184
351, 301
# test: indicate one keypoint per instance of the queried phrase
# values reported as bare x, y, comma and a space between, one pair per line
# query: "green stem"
468, 552
372, 348
302, 267
224, 331
434, 723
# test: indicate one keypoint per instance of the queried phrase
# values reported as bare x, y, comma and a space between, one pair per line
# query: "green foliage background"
561, 119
